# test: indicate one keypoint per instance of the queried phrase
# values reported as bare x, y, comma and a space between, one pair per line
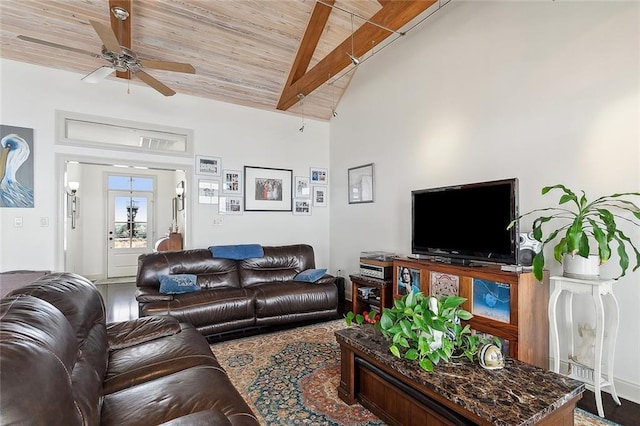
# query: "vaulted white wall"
239, 135
547, 92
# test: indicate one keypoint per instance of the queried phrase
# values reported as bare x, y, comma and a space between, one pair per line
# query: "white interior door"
129, 231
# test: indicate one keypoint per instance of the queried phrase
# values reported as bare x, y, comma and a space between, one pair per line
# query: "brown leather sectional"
237, 294
62, 364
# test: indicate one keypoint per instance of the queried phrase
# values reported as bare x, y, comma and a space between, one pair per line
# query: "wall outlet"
218, 221
17, 222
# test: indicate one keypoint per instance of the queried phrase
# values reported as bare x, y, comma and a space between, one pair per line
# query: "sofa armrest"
150, 295
130, 333
200, 418
326, 279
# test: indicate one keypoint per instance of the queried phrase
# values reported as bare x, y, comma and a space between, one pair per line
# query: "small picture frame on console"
408, 281
492, 300
443, 285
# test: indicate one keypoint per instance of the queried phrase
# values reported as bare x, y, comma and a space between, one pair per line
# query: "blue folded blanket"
237, 252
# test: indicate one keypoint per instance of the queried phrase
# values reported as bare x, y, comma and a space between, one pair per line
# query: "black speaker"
529, 247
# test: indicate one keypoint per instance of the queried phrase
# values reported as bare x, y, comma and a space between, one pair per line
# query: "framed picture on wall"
320, 195
232, 182
302, 188
319, 176
360, 185
302, 206
267, 189
230, 205
208, 191
208, 165
19, 189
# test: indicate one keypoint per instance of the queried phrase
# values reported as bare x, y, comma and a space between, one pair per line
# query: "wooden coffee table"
456, 393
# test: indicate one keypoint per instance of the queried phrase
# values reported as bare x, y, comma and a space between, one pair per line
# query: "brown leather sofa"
62, 364
237, 294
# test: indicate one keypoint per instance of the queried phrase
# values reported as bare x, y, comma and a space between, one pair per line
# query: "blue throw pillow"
310, 275
237, 251
178, 283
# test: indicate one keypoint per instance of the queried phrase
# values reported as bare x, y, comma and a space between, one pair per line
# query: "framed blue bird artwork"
16, 167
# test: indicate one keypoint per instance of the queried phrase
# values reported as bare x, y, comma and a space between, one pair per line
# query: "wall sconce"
180, 196
72, 189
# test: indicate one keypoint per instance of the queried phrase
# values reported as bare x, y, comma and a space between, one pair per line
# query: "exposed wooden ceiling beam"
310, 39
394, 15
122, 29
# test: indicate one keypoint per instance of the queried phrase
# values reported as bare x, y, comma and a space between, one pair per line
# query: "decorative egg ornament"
490, 357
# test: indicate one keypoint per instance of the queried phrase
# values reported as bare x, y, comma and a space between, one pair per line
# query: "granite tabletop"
518, 394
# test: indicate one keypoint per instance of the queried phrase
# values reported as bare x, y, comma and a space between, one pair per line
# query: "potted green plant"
427, 330
580, 223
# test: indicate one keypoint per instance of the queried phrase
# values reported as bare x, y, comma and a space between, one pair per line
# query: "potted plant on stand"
579, 224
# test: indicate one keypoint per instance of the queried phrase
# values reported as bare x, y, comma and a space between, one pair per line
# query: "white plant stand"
607, 318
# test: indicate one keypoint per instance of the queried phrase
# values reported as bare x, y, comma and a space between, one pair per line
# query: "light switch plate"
44, 222
17, 222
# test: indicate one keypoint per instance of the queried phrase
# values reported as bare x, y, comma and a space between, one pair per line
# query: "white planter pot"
580, 267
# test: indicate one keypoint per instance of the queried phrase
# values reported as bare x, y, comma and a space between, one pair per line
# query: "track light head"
301, 129
334, 112
355, 61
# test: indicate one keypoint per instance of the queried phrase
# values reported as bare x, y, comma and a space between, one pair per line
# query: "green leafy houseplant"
428, 330
579, 222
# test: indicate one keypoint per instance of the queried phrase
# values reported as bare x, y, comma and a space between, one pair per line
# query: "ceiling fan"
121, 57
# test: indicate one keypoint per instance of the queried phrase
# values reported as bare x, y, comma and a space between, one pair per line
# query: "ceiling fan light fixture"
120, 12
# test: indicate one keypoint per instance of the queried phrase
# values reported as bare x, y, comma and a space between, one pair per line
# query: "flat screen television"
464, 223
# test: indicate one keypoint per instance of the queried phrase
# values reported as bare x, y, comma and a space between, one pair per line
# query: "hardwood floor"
627, 414
119, 298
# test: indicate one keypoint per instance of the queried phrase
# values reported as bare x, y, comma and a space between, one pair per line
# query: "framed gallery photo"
302, 188
360, 184
208, 165
267, 189
319, 176
302, 206
230, 205
320, 195
208, 191
232, 182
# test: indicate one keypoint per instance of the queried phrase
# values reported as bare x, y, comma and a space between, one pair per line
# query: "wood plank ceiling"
258, 53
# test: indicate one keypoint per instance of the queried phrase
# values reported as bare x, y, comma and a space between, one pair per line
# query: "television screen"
466, 222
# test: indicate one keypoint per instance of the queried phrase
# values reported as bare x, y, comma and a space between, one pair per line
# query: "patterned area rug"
290, 378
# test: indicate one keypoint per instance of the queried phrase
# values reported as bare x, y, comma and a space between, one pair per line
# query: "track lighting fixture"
355, 61
301, 98
334, 113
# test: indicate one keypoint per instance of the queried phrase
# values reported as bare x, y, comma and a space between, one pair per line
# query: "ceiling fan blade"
58, 46
165, 90
107, 36
98, 75
168, 66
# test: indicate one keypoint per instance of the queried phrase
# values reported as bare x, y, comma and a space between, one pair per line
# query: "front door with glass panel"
130, 224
